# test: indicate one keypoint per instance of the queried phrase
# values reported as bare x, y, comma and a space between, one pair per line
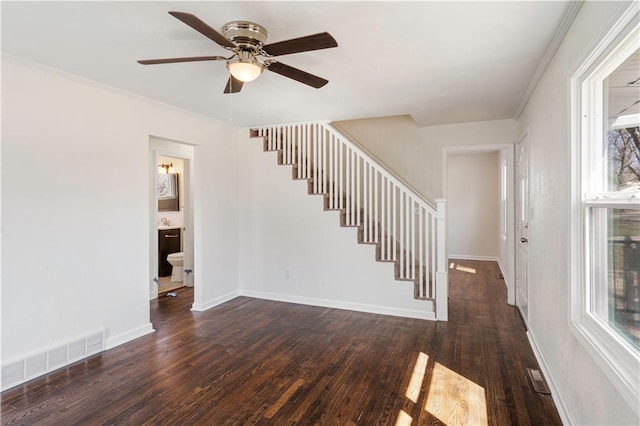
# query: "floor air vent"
538, 382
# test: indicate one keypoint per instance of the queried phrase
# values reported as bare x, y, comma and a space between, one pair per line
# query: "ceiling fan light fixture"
245, 67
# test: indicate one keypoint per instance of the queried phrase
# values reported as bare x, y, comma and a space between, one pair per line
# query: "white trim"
474, 257
128, 336
338, 304
565, 415
505, 277
201, 307
567, 19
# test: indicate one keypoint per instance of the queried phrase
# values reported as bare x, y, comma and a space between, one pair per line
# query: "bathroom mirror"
168, 197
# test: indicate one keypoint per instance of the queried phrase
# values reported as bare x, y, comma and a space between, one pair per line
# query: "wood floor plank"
253, 361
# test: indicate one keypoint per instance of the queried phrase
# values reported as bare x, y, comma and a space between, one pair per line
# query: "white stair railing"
405, 228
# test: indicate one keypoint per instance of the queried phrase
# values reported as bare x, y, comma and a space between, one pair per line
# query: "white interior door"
522, 227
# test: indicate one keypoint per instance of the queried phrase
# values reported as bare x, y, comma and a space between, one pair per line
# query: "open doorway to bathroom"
171, 248
171, 229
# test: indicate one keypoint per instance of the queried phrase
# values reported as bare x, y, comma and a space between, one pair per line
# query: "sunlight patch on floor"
403, 419
452, 265
415, 384
454, 399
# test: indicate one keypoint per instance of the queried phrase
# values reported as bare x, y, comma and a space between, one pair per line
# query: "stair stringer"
291, 249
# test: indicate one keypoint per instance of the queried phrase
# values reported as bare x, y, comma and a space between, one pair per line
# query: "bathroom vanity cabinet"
168, 242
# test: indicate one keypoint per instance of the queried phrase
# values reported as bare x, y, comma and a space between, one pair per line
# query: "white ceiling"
441, 62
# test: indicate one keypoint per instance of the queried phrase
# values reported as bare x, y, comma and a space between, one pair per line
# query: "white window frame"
616, 356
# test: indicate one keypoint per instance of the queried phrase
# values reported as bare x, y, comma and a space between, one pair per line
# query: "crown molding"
567, 19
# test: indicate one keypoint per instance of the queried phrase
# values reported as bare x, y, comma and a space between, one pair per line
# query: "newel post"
442, 271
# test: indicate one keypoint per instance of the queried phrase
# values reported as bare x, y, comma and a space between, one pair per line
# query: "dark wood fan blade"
302, 44
298, 75
233, 85
204, 29
174, 60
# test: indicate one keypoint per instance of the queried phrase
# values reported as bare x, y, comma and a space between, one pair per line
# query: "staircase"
405, 228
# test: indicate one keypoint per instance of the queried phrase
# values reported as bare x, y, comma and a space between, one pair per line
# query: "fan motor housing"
245, 33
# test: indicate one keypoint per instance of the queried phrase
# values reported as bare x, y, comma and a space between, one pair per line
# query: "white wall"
473, 220
76, 212
414, 153
586, 394
293, 250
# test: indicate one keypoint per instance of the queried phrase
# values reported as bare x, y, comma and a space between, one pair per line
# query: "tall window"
612, 199
606, 248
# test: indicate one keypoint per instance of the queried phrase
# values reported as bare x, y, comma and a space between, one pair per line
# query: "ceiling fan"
246, 41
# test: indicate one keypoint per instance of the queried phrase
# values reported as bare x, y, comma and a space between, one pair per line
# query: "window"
606, 213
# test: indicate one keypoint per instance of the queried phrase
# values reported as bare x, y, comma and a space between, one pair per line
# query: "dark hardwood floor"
253, 361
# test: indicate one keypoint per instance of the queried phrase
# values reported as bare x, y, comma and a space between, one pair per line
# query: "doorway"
171, 216
501, 157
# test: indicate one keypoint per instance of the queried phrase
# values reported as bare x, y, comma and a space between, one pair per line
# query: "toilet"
176, 259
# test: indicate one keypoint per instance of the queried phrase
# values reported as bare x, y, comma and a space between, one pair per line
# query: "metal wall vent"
20, 371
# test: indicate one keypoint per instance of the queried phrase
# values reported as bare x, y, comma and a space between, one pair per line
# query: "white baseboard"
472, 257
200, 307
127, 336
557, 399
511, 298
338, 304
504, 276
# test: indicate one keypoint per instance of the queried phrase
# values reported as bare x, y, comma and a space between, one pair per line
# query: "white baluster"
340, 190
433, 251
305, 151
291, 141
413, 239
358, 190
384, 233
325, 169
376, 208
390, 225
316, 158
421, 263
401, 234
331, 181
347, 184
352, 180
370, 193
394, 206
